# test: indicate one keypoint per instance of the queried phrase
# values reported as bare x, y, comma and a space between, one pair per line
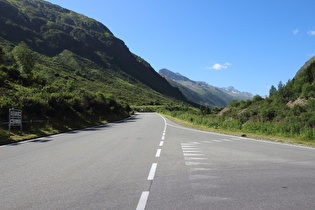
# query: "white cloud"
311, 33
218, 66
296, 31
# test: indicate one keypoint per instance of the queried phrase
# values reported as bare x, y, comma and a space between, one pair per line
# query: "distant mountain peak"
231, 89
203, 93
173, 76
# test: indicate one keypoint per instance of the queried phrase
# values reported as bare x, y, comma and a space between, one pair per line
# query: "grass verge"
280, 139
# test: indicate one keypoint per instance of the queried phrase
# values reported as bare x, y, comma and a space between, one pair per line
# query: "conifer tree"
280, 85
272, 91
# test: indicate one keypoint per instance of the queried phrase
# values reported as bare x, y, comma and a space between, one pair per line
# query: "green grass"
281, 138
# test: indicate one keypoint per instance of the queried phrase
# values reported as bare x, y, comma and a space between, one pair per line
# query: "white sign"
15, 122
15, 117
15, 113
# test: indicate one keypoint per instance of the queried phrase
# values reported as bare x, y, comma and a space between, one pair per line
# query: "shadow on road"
46, 139
100, 127
42, 139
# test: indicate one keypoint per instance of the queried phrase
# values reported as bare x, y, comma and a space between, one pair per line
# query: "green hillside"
81, 47
69, 70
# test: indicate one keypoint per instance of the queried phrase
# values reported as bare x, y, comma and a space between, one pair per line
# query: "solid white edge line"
143, 200
165, 123
152, 171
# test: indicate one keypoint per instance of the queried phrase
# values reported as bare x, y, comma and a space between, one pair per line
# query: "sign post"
15, 118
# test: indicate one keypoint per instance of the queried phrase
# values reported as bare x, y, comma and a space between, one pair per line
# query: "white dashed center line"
152, 171
145, 194
143, 200
158, 153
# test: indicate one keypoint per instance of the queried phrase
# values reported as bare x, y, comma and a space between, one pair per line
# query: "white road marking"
185, 151
145, 194
236, 138
152, 171
165, 123
191, 150
277, 143
158, 153
195, 158
198, 176
202, 185
143, 200
208, 199
190, 144
199, 169
190, 147
192, 154
189, 163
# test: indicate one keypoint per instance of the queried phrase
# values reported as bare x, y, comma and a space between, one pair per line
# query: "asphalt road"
149, 162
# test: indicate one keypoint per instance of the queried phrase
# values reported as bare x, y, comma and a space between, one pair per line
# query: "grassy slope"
81, 71
96, 54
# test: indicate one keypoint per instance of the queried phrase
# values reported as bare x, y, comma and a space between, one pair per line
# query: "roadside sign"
15, 118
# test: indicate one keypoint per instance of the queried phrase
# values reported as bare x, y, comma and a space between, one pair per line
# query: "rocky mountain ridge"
203, 93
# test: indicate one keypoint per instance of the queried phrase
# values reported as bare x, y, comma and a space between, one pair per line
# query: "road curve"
149, 162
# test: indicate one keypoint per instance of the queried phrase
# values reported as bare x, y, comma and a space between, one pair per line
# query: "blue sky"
248, 44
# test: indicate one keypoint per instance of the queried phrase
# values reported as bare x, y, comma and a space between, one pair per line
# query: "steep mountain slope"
203, 93
82, 47
237, 94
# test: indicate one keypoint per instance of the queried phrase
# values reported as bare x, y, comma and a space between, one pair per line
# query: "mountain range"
203, 93
70, 71
71, 46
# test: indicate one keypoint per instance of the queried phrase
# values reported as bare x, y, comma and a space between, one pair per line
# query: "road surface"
149, 162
